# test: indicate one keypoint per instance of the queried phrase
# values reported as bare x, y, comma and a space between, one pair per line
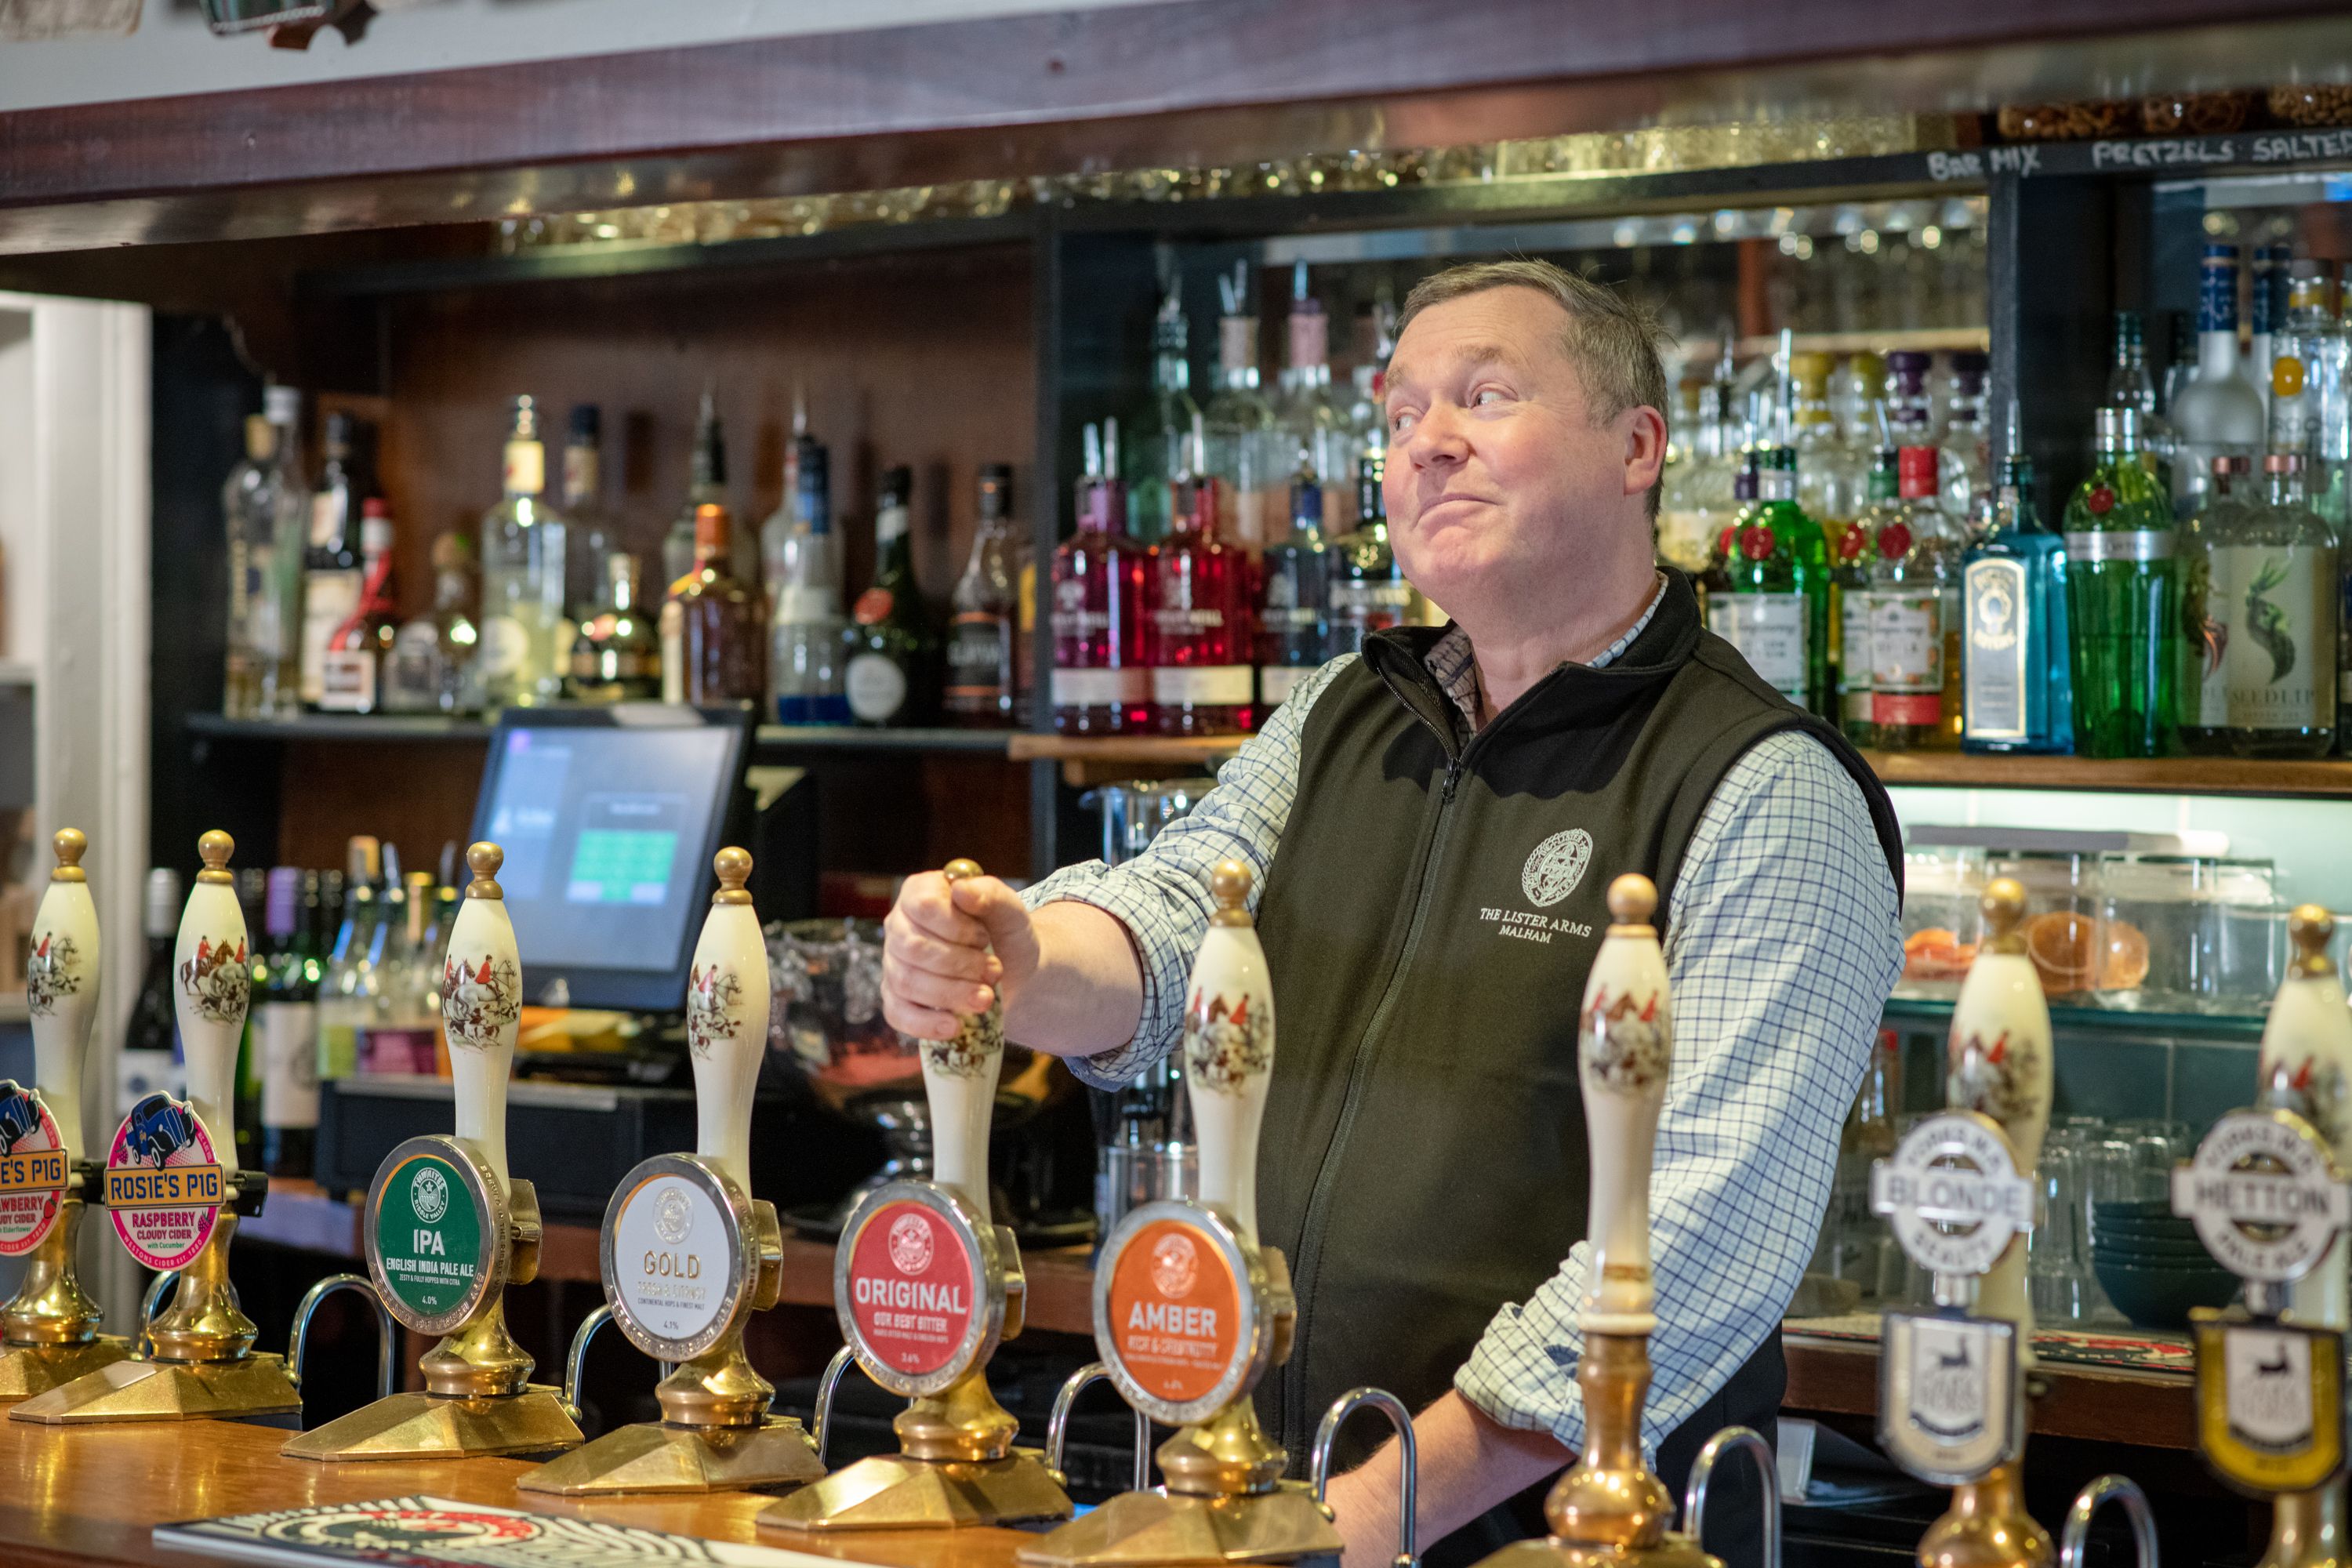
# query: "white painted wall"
173, 53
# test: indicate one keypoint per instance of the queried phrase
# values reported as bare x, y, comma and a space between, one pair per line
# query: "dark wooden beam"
1201, 81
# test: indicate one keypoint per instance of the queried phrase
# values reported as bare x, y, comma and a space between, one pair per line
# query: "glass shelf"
2246, 1028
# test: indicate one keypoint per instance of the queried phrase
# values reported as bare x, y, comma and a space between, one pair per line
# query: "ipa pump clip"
686, 1254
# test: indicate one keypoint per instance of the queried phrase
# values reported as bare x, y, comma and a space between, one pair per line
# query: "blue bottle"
2017, 687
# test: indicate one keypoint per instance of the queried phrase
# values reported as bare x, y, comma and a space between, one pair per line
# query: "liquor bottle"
1915, 615
2272, 269
2321, 355
802, 553
351, 673
1851, 581
2208, 608
266, 505
347, 989
2123, 598
705, 485
1715, 582
332, 572
721, 644
1697, 501
1366, 417
1369, 592
2129, 384
524, 639
432, 666
2017, 676
1830, 475
2281, 560
1910, 410
151, 1042
1308, 415
1964, 460
593, 534
252, 898
1102, 680
286, 1024
893, 646
1202, 639
1775, 607
1153, 452
983, 612
1294, 598
399, 1042
1238, 423
1858, 398
2216, 412
616, 654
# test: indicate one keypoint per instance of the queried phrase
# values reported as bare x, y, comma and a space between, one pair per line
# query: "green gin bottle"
2124, 596
1775, 609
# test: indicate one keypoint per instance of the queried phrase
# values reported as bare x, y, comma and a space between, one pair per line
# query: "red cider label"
911, 1288
1175, 1311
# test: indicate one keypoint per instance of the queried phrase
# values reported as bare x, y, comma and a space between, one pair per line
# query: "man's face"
1498, 478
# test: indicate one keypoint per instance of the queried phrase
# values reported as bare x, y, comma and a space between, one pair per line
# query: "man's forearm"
1086, 995
1468, 1464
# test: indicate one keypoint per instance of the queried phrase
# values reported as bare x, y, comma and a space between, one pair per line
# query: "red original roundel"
911, 1288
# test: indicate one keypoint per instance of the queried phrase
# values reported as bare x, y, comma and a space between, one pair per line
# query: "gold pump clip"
926, 1285
688, 1255
174, 1195
446, 1230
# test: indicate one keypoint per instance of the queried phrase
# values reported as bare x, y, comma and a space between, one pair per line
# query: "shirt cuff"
1522, 1374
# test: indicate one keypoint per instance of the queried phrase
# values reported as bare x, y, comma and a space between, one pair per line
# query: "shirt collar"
1454, 666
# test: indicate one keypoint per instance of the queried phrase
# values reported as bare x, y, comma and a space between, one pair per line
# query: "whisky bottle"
617, 655
984, 613
333, 574
351, 673
524, 635
893, 646
721, 631
707, 484
593, 534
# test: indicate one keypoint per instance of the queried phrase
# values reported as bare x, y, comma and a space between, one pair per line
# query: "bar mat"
2142, 1349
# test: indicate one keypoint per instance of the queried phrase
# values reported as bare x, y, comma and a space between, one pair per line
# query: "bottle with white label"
526, 639
2280, 561
894, 648
2217, 411
1774, 604
1201, 620
1915, 615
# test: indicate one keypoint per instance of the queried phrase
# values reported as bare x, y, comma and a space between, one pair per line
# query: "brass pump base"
1988, 1527
438, 1426
1286, 1525
1672, 1550
28, 1370
892, 1491
664, 1458
167, 1391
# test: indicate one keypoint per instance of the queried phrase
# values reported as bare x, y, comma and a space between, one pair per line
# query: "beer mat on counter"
436, 1532
2142, 1349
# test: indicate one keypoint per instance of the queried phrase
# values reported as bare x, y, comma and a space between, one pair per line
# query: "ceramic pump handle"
960, 1081
1625, 1041
481, 1006
211, 970
1229, 1047
727, 1020
1998, 1064
61, 986
2306, 1064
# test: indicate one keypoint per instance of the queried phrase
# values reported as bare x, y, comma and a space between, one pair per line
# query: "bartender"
1433, 826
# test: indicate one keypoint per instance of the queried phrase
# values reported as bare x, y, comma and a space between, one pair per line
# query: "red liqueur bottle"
1102, 682
1202, 628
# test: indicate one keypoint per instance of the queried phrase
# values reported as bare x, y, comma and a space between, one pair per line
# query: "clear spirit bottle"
2320, 400
2207, 607
983, 612
1849, 580
1309, 417
1964, 460
806, 658
525, 637
267, 505
1697, 501
1242, 453
1152, 456
1830, 475
2281, 560
433, 667
2016, 678
1102, 678
2218, 412
2122, 596
1915, 615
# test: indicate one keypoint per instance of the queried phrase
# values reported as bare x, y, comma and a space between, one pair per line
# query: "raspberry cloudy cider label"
163, 1185
1175, 1311
32, 1170
911, 1288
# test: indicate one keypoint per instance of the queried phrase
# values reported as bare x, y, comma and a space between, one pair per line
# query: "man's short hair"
1611, 341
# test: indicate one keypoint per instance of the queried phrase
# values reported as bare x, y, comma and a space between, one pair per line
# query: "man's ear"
1643, 429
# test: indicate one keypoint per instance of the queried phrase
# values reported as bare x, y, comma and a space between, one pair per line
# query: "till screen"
601, 829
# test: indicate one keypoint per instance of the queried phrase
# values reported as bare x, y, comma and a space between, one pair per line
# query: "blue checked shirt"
1783, 942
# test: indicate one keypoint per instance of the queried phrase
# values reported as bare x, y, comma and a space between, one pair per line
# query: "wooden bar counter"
93, 1494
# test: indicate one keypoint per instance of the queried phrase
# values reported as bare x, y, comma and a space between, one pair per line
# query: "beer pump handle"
1228, 1047
1998, 1065
61, 987
2305, 1065
481, 1007
1625, 1037
959, 1082
212, 969
727, 1020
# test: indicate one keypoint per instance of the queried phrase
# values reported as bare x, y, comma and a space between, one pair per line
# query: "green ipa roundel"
427, 1235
